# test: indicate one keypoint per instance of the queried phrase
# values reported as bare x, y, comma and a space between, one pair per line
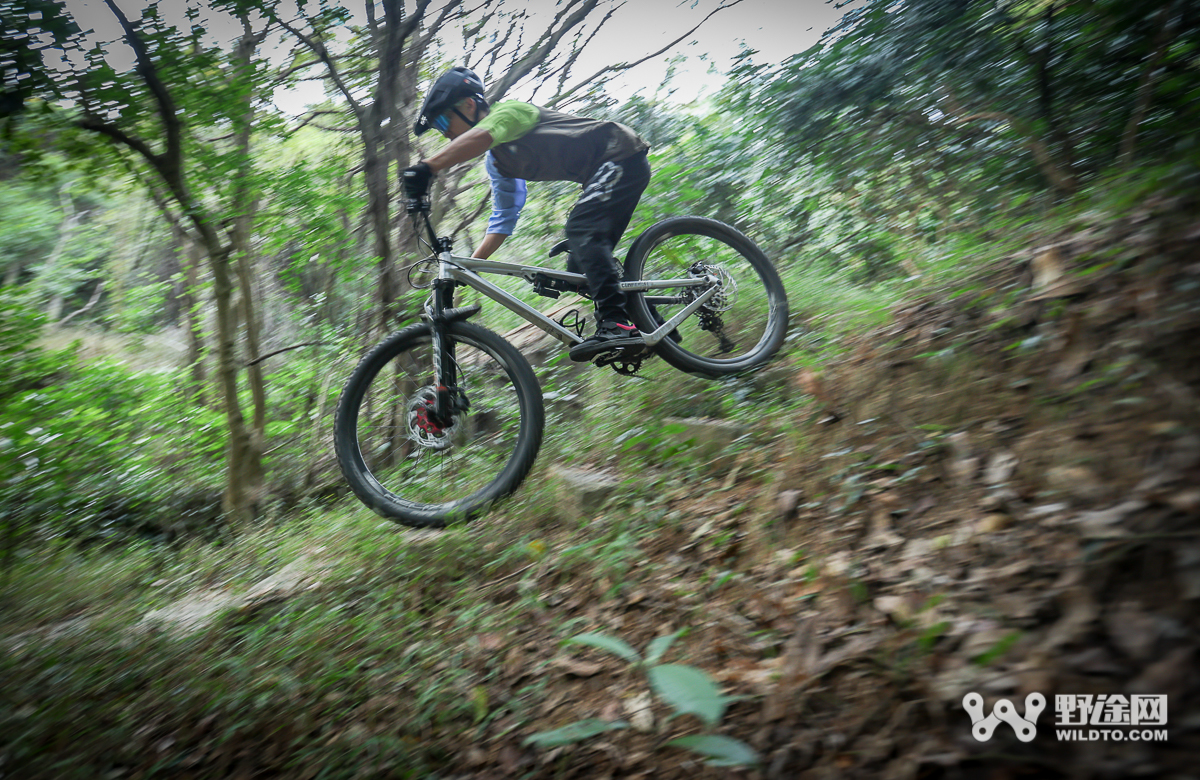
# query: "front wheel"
740, 328
408, 466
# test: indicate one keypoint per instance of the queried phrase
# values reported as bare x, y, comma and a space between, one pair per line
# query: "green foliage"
22, 365
89, 455
575, 732
686, 689
27, 227
968, 89
611, 644
721, 751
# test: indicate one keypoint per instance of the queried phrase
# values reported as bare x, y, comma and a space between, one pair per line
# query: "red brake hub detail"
425, 419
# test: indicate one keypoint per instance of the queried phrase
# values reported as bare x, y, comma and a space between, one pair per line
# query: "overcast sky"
776, 28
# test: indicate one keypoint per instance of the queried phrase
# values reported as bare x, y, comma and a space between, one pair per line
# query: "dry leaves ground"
998, 494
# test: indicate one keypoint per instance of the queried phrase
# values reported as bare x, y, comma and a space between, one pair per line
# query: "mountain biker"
523, 142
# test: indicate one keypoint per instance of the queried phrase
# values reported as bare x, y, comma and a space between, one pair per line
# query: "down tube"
514, 304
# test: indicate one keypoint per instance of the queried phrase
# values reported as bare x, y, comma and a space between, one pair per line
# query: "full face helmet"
444, 96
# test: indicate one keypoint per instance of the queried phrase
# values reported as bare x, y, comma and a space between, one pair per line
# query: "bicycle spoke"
443, 463
742, 317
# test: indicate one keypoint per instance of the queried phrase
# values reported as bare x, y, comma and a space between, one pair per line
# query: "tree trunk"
50, 268
193, 256
243, 461
245, 205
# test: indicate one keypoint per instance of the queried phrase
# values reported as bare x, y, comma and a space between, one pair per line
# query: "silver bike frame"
467, 270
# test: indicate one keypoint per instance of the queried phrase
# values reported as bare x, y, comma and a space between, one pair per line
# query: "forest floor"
997, 492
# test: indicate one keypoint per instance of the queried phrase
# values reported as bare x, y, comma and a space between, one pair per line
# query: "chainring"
626, 362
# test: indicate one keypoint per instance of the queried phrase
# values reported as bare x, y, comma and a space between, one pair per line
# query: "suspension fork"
440, 312
444, 366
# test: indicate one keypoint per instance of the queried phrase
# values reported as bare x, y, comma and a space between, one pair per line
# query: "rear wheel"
407, 465
740, 328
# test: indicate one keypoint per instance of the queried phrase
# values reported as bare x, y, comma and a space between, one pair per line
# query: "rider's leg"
593, 230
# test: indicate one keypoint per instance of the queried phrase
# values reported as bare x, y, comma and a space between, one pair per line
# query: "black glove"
416, 180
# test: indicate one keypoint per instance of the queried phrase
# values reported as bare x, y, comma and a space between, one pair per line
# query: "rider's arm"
505, 122
508, 198
467, 146
490, 243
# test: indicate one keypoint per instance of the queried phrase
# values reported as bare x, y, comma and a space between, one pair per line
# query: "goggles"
440, 123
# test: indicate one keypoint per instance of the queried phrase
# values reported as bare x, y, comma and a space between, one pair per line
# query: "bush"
94, 452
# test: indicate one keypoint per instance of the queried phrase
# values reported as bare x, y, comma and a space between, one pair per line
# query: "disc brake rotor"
727, 287
423, 429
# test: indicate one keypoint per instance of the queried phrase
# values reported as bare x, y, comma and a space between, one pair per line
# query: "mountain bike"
445, 417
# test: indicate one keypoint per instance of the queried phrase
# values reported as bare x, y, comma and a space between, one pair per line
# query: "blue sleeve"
508, 198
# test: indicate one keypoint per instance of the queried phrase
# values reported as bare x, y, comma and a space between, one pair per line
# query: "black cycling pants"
596, 224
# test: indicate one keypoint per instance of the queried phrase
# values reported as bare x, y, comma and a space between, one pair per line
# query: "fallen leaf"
1050, 275
1075, 352
962, 466
1186, 501
993, 523
640, 711
1103, 524
1079, 612
1000, 467
578, 668
1076, 481
788, 504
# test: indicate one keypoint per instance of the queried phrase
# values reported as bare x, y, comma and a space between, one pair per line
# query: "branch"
543, 46
261, 358
87, 307
621, 67
170, 163
317, 47
469, 218
164, 208
564, 70
311, 119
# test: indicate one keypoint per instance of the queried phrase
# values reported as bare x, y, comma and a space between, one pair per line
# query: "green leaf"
689, 690
720, 751
574, 732
656, 649
609, 644
995, 651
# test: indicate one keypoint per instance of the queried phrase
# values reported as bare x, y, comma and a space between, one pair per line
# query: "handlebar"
421, 207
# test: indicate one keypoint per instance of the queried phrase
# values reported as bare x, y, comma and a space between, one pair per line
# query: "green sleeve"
509, 120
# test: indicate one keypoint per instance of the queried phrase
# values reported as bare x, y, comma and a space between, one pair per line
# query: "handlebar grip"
419, 205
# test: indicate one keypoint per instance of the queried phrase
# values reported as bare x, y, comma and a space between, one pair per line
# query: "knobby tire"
384, 462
